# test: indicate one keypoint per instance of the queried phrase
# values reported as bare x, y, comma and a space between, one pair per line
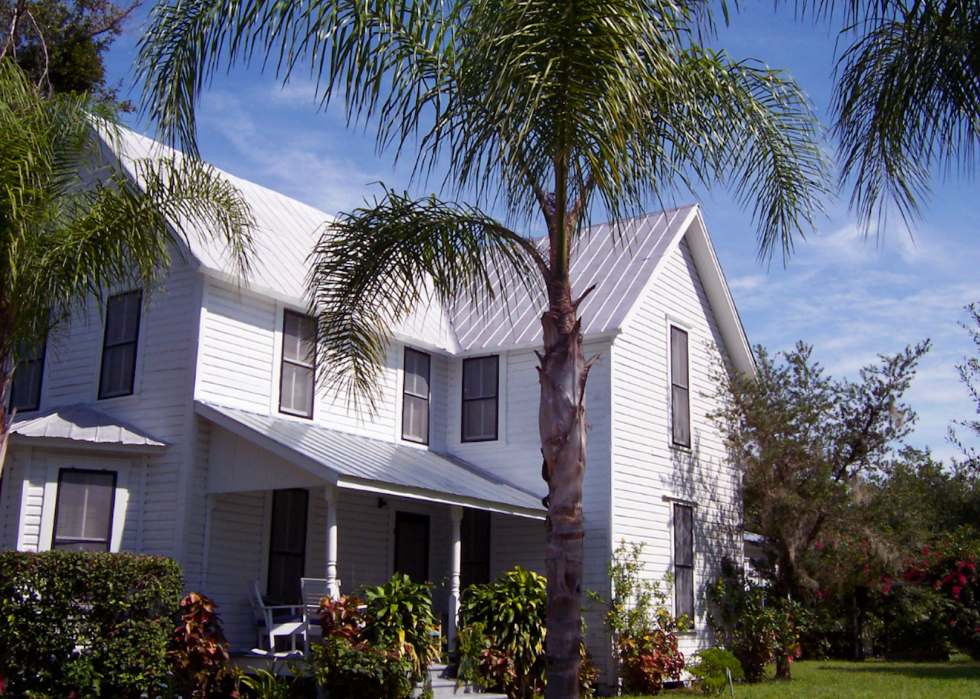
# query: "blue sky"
851, 297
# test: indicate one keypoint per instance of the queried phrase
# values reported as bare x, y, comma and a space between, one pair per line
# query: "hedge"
86, 624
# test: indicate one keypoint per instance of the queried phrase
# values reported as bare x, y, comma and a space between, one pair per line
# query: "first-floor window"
287, 546
83, 513
684, 562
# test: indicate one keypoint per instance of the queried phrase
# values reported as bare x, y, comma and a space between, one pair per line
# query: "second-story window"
480, 399
296, 382
122, 329
25, 389
680, 398
415, 401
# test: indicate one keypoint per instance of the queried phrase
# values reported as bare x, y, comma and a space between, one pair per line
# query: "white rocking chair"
276, 621
314, 589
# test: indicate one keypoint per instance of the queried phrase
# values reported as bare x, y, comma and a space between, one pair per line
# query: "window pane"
415, 419
680, 416
684, 592
296, 390
84, 507
118, 365
480, 419
683, 535
678, 357
416, 373
25, 390
299, 338
480, 377
122, 318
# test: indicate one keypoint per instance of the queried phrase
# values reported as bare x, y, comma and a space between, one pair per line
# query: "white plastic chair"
290, 622
313, 590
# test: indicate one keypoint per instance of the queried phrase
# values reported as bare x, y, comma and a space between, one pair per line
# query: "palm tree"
74, 222
907, 98
546, 110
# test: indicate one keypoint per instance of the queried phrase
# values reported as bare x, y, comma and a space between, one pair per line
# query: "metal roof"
82, 423
364, 463
619, 261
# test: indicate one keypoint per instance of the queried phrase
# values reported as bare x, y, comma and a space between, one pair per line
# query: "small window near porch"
122, 329
480, 391
297, 376
684, 562
680, 398
474, 534
25, 389
83, 513
287, 546
415, 400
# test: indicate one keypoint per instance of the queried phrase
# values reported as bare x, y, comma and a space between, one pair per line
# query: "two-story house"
191, 424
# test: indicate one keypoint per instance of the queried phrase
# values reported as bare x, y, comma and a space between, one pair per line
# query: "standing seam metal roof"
82, 423
355, 459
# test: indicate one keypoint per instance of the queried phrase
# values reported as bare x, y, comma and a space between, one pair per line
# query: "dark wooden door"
412, 545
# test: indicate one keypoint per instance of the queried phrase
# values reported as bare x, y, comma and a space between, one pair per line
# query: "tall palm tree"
543, 109
907, 99
74, 222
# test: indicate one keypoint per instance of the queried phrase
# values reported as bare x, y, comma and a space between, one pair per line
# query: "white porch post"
333, 585
456, 513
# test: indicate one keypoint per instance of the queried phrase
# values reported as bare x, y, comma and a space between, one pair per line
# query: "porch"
287, 500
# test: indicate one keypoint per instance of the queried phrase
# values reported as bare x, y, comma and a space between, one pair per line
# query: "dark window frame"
311, 366
134, 342
36, 404
690, 566
273, 552
55, 541
426, 398
418, 517
496, 398
674, 386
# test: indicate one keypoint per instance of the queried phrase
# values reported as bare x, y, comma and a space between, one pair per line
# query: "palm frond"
372, 266
908, 99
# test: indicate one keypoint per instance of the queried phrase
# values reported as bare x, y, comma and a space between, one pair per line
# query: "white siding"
515, 541
646, 468
235, 561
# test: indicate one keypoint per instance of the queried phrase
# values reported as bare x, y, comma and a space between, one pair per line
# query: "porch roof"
81, 423
364, 463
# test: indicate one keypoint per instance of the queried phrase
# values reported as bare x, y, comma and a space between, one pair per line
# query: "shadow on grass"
953, 670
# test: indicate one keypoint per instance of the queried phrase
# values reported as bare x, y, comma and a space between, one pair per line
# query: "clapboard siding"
515, 541
194, 555
646, 468
235, 561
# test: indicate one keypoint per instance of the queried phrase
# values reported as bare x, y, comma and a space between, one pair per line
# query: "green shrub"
272, 683
756, 629
708, 667
399, 618
199, 652
86, 624
502, 645
356, 670
642, 627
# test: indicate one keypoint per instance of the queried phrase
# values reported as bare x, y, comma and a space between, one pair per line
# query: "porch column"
333, 585
456, 513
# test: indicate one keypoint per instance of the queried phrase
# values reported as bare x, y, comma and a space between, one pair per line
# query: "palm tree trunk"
563, 373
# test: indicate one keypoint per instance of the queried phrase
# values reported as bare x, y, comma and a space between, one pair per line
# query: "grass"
815, 679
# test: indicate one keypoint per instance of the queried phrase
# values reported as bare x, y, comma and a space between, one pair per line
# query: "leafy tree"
907, 98
61, 44
969, 372
545, 110
74, 222
805, 444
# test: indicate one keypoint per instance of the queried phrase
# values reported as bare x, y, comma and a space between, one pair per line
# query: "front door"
412, 545
287, 545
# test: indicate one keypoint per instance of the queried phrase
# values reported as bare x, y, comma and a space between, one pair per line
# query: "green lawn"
959, 678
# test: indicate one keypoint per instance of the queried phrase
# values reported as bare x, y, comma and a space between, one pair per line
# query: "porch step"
444, 686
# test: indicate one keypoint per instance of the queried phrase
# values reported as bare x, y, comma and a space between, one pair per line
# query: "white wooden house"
186, 425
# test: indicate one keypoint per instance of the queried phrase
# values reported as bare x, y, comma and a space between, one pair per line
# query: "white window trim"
274, 394
671, 501
123, 469
675, 322
141, 348
456, 402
